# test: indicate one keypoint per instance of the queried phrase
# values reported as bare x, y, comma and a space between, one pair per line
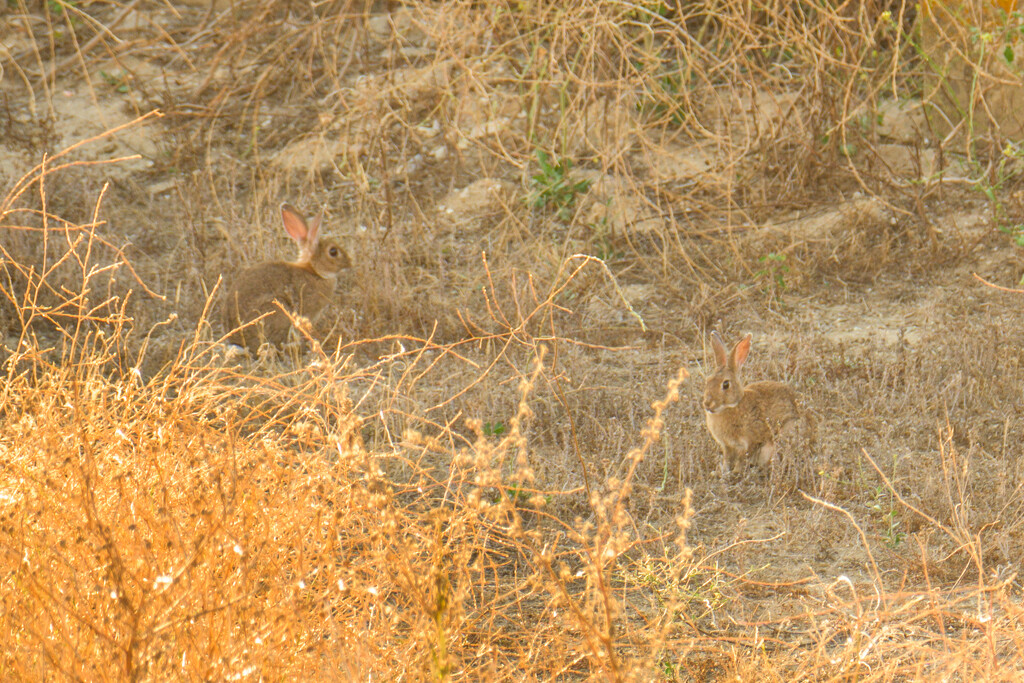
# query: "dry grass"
465, 472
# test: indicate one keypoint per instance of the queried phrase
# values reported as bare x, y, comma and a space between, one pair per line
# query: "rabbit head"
327, 258
724, 387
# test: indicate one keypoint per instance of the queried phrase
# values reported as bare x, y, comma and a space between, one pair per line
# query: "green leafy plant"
520, 496
494, 428
118, 82
60, 8
553, 187
1016, 233
772, 274
603, 247
1010, 28
663, 101
884, 506
991, 184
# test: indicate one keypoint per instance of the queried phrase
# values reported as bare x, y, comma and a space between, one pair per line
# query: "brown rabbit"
302, 288
746, 420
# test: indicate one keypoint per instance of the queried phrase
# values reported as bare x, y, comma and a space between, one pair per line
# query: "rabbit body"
746, 420
303, 288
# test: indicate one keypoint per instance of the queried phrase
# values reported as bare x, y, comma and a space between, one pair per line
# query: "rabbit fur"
747, 420
263, 292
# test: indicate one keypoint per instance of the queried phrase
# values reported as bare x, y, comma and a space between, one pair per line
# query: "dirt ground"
878, 283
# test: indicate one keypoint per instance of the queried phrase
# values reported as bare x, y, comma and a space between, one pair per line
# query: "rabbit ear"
719, 347
295, 224
314, 229
740, 352
306, 235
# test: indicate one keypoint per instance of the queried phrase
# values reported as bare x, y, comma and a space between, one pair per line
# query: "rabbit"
746, 420
302, 287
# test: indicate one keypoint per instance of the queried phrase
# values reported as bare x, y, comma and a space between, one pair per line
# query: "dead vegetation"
489, 461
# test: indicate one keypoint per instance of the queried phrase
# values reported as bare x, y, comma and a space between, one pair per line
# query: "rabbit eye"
725, 385
333, 251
